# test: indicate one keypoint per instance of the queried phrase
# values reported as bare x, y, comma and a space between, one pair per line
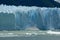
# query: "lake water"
39, 37
30, 35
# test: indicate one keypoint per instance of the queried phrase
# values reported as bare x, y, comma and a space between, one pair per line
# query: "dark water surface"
39, 37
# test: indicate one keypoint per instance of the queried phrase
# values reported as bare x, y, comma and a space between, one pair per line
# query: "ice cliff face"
22, 17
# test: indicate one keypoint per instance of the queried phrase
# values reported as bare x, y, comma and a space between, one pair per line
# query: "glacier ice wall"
22, 17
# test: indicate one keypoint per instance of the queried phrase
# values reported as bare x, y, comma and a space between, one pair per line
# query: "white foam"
53, 32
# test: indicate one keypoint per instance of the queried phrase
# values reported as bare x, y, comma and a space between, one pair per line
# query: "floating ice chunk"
28, 34
53, 32
31, 34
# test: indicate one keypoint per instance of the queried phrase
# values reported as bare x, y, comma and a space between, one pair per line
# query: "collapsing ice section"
22, 17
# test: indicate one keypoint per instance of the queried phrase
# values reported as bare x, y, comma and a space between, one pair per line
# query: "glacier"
22, 17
